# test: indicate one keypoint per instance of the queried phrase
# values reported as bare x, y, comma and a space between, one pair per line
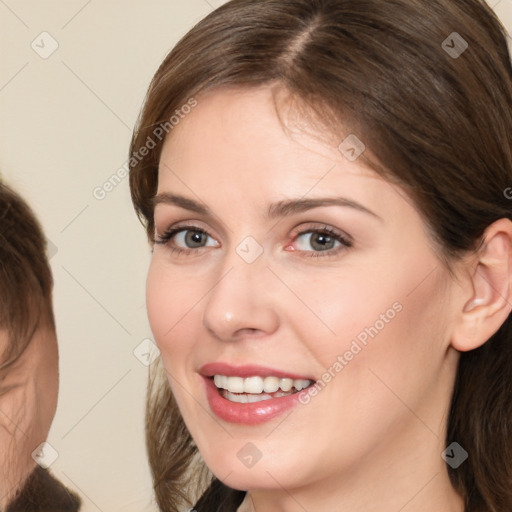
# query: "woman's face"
281, 258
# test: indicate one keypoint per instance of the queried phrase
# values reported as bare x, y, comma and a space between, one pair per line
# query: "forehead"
247, 133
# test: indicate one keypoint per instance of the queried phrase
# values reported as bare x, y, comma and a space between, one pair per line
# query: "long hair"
26, 281
428, 87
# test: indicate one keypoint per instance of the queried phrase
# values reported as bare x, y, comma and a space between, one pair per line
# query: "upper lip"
250, 370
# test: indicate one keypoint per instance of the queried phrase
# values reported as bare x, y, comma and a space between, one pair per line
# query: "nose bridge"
239, 299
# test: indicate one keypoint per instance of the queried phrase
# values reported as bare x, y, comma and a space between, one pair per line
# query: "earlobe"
490, 302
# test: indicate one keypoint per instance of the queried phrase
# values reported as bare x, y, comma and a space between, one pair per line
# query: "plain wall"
65, 127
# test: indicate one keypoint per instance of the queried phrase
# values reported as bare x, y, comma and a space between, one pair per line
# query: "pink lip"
248, 414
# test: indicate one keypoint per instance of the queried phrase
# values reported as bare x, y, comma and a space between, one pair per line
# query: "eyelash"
345, 241
165, 238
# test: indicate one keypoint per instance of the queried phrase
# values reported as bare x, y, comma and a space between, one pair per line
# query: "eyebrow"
294, 206
276, 210
182, 202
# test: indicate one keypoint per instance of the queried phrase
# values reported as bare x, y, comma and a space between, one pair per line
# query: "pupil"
194, 238
322, 242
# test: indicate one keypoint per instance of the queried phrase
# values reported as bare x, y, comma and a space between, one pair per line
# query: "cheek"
170, 300
156, 302
393, 348
378, 321
343, 307
163, 293
389, 295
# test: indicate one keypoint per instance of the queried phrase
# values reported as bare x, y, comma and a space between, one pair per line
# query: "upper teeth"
259, 384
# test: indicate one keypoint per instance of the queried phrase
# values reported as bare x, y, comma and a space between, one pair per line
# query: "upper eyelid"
175, 230
298, 209
295, 233
320, 226
211, 220
180, 226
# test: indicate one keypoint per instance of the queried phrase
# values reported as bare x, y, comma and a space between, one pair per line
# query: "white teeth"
257, 385
300, 384
235, 384
286, 384
252, 385
245, 398
270, 384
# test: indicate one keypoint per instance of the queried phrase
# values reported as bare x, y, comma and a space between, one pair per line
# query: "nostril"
251, 332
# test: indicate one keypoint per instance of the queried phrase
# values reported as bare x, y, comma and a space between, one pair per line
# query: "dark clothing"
219, 498
43, 493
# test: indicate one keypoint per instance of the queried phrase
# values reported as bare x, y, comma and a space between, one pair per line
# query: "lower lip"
248, 414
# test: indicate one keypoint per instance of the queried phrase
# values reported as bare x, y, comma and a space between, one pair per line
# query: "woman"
330, 284
29, 365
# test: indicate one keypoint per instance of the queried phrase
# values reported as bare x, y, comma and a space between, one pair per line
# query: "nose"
242, 302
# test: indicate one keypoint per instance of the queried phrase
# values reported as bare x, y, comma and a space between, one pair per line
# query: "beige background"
65, 125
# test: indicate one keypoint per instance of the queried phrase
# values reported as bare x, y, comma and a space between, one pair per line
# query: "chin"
245, 480
236, 469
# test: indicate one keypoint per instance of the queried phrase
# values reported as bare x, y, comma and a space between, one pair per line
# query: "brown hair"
437, 122
26, 286
26, 281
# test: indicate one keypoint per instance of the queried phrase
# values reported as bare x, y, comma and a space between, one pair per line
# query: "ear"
490, 283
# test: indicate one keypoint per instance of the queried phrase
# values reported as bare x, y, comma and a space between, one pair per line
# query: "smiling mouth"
257, 389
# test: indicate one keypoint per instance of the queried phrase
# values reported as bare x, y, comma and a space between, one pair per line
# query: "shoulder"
44, 493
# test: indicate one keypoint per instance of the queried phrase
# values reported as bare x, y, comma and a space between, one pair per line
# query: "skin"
28, 400
380, 423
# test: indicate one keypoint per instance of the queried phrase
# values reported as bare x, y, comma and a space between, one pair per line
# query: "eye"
191, 239
322, 240
186, 239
